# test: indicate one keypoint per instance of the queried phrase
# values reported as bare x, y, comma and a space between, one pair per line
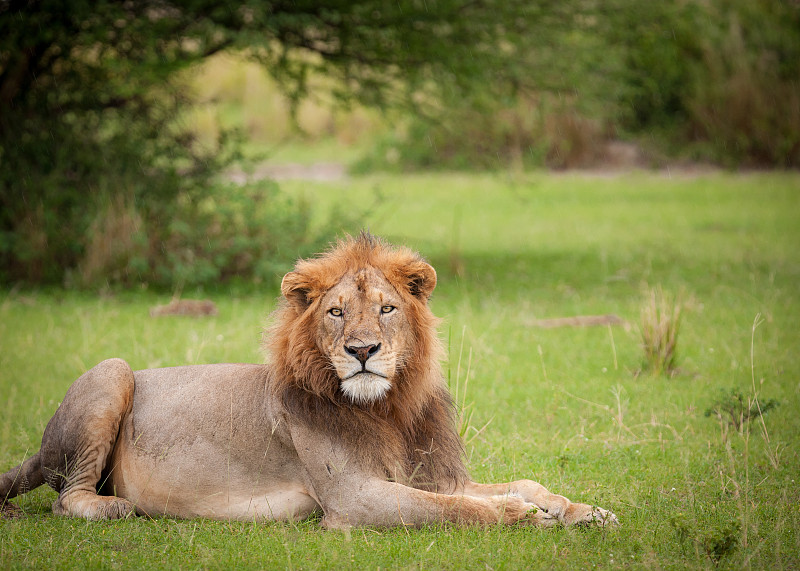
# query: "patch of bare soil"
190, 307
321, 172
614, 159
578, 321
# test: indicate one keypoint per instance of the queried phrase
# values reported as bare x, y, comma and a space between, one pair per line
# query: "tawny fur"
284, 440
412, 437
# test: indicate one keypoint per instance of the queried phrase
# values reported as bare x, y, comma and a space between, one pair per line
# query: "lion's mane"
410, 434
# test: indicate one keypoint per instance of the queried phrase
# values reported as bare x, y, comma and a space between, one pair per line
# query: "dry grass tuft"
660, 324
114, 239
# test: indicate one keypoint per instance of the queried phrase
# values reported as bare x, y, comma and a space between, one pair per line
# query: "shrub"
745, 96
245, 233
719, 80
97, 171
533, 131
716, 80
71, 173
736, 410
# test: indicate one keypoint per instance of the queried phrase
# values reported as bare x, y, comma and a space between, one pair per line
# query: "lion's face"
358, 323
365, 333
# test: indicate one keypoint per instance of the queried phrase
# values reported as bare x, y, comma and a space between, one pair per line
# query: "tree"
90, 100
91, 97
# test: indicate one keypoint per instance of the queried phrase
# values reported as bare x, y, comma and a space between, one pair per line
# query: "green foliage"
745, 91
721, 76
715, 542
474, 134
88, 117
250, 233
717, 80
548, 106
91, 103
559, 405
734, 409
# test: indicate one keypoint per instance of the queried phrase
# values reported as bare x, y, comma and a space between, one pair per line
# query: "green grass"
568, 407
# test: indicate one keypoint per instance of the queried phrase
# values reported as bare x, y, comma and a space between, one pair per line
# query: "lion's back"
179, 405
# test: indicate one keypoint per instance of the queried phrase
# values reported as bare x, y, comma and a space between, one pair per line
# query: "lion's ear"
420, 279
296, 288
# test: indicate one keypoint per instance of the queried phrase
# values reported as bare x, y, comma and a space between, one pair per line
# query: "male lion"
351, 418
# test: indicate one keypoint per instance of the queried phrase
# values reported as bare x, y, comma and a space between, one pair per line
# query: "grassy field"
568, 406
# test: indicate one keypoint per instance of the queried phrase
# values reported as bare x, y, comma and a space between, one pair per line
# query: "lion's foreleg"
388, 504
504, 509
553, 504
528, 490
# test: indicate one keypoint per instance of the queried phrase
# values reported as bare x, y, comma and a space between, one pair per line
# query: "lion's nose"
362, 352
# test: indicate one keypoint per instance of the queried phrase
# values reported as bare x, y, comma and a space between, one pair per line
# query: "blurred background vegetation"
120, 123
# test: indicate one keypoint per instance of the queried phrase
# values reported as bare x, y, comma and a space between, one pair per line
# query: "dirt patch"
320, 172
191, 307
578, 321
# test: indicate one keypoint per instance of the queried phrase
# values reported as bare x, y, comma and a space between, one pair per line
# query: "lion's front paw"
539, 517
514, 510
603, 518
584, 514
554, 505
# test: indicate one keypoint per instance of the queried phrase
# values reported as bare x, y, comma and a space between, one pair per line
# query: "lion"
350, 419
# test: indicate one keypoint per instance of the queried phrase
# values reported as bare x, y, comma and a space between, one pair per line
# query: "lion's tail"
21, 479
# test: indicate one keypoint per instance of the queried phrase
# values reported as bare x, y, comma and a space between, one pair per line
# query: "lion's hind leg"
79, 440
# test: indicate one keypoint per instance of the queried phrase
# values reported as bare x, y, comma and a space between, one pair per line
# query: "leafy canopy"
90, 100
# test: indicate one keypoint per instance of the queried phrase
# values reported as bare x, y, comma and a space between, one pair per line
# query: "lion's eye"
335, 311
388, 308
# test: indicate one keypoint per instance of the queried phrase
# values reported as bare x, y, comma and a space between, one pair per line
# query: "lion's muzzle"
362, 352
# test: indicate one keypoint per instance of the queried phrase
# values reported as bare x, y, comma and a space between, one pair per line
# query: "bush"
745, 97
94, 159
245, 233
716, 80
70, 171
530, 132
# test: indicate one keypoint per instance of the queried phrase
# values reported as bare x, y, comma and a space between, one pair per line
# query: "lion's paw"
604, 518
116, 508
541, 518
583, 514
93, 507
555, 505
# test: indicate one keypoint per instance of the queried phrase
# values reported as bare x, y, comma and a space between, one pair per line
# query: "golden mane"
413, 427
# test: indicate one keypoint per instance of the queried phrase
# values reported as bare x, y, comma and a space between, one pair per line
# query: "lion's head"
356, 325
355, 352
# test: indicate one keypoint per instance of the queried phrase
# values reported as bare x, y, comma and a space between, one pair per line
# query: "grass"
660, 324
564, 406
